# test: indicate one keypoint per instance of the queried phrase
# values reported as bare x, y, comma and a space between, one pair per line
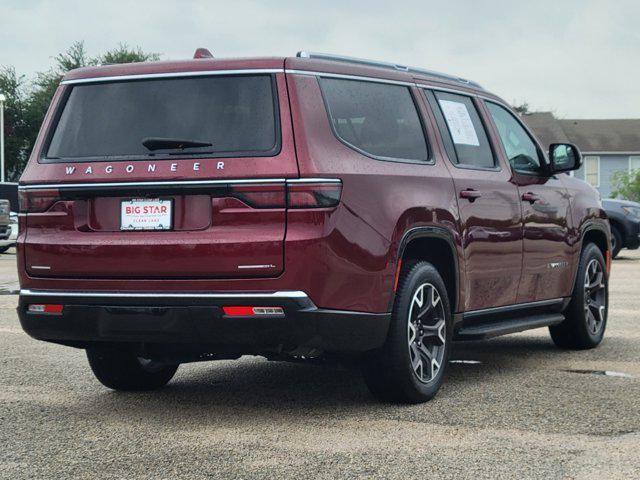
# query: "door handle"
470, 194
530, 197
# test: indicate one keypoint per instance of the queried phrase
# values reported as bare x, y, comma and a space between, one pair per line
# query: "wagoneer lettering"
298, 208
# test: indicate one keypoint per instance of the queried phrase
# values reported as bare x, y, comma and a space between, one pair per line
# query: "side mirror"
564, 157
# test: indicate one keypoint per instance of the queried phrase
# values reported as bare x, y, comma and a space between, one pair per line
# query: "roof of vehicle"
618, 202
313, 62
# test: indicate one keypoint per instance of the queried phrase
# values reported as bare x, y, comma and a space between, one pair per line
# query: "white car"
8, 241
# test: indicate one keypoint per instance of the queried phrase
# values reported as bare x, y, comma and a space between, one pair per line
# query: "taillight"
260, 196
319, 194
37, 200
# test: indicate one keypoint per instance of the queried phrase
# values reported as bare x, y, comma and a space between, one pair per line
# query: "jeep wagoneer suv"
298, 208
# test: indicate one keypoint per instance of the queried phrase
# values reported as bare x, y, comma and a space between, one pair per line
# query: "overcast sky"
579, 58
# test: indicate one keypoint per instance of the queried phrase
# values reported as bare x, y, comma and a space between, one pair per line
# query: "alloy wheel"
595, 296
426, 326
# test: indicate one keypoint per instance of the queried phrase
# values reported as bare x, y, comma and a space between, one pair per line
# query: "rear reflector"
45, 308
314, 195
252, 311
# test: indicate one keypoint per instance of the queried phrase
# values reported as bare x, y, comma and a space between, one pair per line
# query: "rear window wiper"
160, 143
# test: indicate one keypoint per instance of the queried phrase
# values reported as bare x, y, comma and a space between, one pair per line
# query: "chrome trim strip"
516, 306
314, 180
151, 184
350, 77
62, 186
66, 293
143, 76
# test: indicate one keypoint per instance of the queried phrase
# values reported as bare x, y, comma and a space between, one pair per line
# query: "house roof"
604, 135
589, 135
546, 127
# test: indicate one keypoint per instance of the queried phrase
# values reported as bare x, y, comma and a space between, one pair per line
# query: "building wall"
609, 164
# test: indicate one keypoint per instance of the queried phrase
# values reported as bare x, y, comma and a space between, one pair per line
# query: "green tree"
626, 185
125, 54
28, 103
522, 108
15, 127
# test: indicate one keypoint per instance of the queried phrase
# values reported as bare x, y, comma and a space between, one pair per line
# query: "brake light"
252, 311
313, 194
37, 200
45, 308
260, 196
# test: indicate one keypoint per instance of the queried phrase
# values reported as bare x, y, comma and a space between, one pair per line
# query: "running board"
481, 331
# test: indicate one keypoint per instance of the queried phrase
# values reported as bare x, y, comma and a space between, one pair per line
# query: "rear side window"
237, 115
377, 119
462, 130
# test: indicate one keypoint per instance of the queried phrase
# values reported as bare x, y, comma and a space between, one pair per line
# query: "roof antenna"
202, 53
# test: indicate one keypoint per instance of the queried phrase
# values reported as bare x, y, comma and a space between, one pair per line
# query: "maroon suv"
299, 208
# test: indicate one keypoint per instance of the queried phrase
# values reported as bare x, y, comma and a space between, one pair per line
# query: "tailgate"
219, 230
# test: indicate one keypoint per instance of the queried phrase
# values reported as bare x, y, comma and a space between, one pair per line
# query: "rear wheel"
412, 364
616, 241
586, 315
4, 249
122, 369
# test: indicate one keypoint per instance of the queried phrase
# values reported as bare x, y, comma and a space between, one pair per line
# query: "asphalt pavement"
512, 407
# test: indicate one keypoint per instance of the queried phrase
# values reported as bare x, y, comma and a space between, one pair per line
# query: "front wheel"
412, 364
121, 369
586, 315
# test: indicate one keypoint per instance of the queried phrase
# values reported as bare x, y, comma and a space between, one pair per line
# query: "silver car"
8, 226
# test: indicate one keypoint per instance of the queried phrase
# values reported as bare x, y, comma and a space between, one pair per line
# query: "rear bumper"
198, 318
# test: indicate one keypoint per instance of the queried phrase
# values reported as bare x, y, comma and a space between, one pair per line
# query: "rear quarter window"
237, 115
377, 119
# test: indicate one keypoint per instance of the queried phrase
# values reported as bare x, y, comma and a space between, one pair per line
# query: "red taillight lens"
37, 200
45, 308
314, 194
252, 311
260, 196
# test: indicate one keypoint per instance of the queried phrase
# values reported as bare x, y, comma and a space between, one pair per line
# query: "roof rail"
391, 66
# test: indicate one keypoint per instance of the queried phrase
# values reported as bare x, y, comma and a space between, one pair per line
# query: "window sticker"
460, 124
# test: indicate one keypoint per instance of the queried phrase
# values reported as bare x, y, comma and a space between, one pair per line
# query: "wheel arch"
435, 245
598, 234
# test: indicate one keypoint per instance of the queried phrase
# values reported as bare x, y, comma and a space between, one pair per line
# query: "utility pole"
2, 99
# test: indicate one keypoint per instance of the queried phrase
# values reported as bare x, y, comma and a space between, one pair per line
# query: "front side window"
218, 115
521, 150
462, 130
377, 119
592, 170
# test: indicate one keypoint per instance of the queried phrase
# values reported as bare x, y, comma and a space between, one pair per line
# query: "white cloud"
577, 57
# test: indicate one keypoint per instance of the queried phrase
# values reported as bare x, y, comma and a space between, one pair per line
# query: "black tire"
616, 242
4, 249
120, 369
389, 372
578, 331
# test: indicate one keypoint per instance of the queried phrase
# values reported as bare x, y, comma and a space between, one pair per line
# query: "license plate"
146, 214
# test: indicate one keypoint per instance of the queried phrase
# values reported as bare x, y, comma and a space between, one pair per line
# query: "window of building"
634, 163
377, 119
592, 170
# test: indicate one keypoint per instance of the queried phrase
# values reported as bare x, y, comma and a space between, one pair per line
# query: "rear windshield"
236, 115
